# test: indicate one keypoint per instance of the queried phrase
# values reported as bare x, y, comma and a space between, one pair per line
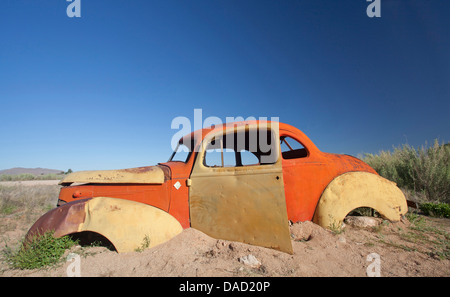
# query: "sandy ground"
317, 252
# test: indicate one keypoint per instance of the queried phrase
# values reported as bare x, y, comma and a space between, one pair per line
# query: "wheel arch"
128, 225
352, 190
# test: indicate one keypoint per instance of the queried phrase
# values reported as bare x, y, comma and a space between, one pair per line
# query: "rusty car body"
241, 181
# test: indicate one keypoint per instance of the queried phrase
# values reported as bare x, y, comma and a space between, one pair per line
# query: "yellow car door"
237, 190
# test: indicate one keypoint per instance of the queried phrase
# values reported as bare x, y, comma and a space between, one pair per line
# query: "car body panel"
306, 178
155, 195
241, 203
139, 175
128, 225
359, 189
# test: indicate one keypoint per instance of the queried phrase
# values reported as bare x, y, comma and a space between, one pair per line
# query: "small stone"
342, 239
250, 260
362, 221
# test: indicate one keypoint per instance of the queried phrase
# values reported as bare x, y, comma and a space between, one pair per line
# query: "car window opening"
292, 149
239, 149
182, 152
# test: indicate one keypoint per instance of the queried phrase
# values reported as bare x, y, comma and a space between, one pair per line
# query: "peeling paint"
140, 175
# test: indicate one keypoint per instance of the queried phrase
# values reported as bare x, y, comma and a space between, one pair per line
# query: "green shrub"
441, 210
40, 251
425, 170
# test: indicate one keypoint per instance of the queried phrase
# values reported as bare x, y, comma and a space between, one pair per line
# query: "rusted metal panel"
179, 193
155, 195
126, 224
243, 204
140, 175
63, 220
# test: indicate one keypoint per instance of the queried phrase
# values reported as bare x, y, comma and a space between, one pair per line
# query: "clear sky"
101, 91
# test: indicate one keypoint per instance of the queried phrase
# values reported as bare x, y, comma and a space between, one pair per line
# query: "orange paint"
306, 178
179, 194
156, 195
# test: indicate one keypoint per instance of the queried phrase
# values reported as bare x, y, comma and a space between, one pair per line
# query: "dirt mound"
305, 231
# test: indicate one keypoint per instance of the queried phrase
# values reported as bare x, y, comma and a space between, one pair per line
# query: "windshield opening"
182, 152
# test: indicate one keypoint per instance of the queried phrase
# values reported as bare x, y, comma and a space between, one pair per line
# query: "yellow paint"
359, 189
244, 203
127, 224
151, 175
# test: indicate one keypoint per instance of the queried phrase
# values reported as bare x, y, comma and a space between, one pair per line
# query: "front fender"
126, 224
359, 189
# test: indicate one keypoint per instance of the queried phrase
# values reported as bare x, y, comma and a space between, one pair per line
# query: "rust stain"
83, 194
62, 220
241, 203
114, 208
138, 169
148, 175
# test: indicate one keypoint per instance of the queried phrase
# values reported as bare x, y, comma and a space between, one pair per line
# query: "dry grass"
25, 202
424, 172
29, 176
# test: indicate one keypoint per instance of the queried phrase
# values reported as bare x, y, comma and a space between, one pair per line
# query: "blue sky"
101, 91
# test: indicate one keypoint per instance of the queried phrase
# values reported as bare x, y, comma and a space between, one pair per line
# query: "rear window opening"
292, 149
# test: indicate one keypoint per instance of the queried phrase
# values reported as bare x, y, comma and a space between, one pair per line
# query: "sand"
317, 252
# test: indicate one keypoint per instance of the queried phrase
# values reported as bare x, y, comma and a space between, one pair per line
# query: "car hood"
139, 175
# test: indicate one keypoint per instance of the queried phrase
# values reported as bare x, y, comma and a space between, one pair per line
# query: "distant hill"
34, 171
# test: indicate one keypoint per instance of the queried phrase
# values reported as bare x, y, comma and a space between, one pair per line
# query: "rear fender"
126, 224
359, 189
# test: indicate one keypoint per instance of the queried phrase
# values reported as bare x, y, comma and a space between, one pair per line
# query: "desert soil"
403, 250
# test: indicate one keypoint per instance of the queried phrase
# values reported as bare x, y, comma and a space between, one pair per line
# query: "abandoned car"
240, 181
